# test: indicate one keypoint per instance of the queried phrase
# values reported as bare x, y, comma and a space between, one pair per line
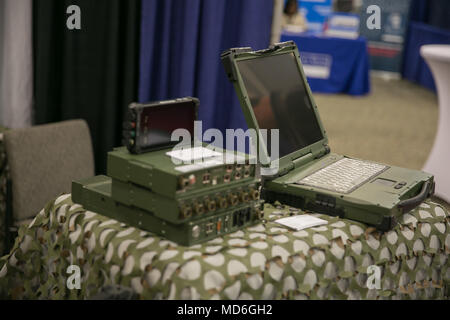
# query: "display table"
333, 65
438, 58
266, 261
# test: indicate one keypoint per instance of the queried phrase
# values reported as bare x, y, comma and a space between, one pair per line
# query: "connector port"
259, 214
199, 208
206, 178
226, 178
222, 202
185, 211
244, 196
183, 183
235, 219
247, 214
219, 226
210, 205
209, 228
254, 194
192, 179
241, 217
232, 199
226, 222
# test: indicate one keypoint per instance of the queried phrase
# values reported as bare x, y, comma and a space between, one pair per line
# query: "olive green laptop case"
274, 94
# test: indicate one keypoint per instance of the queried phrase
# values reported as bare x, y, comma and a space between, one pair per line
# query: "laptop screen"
280, 101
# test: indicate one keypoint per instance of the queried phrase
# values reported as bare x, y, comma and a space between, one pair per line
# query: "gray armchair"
43, 160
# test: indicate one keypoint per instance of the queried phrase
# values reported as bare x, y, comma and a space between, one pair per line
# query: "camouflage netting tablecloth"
266, 261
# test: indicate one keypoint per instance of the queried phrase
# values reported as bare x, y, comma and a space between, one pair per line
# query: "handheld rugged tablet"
149, 126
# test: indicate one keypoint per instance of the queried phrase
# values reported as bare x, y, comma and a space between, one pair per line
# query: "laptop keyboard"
343, 176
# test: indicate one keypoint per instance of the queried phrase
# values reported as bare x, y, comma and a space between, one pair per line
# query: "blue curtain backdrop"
181, 43
430, 24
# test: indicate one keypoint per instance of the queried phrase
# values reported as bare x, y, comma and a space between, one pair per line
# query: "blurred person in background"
292, 17
350, 6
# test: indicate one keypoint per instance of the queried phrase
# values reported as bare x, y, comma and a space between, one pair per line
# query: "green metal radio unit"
156, 172
95, 194
185, 191
186, 206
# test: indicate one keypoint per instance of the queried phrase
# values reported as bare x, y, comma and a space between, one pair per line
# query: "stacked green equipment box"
185, 203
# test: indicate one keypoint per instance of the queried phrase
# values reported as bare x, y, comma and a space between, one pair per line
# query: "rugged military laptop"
274, 94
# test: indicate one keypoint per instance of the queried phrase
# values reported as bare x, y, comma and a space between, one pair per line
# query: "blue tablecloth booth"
333, 65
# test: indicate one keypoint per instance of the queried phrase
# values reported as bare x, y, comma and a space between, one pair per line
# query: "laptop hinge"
303, 160
309, 157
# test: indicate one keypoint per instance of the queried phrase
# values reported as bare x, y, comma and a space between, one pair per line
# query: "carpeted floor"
395, 124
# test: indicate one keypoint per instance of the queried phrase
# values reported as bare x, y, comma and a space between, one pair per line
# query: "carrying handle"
409, 204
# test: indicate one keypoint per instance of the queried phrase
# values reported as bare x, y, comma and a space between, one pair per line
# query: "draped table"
266, 261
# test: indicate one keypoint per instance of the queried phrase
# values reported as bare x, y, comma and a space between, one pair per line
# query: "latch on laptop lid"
277, 46
226, 56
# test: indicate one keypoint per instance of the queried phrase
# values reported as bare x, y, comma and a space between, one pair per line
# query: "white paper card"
301, 222
192, 154
188, 168
200, 165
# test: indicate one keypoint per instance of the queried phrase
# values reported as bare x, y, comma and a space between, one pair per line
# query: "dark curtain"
90, 73
419, 10
432, 12
181, 43
430, 24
